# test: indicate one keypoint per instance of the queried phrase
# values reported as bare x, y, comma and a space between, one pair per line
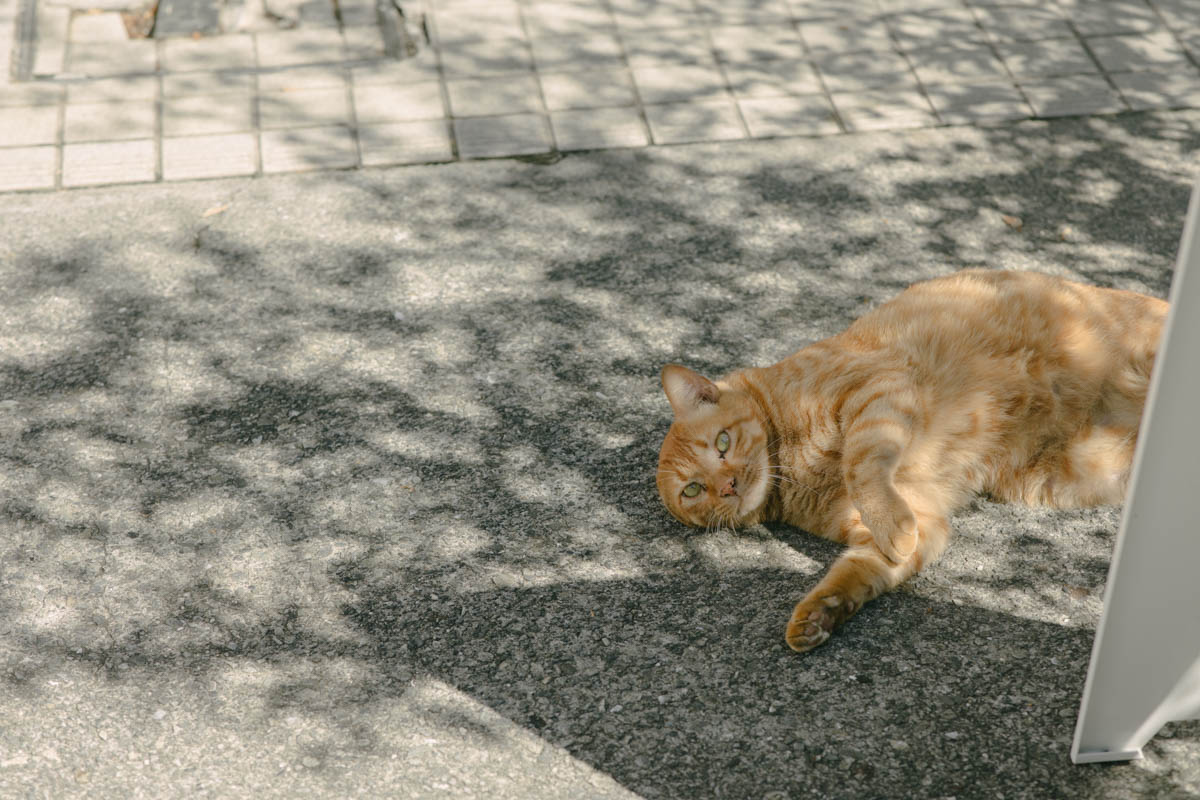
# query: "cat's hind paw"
897, 541
813, 621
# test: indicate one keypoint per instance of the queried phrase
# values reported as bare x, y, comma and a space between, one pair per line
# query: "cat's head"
713, 466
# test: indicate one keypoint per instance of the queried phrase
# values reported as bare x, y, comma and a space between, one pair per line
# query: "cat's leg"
859, 575
879, 427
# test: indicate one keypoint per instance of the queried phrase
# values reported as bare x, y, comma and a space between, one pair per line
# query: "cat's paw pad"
814, 620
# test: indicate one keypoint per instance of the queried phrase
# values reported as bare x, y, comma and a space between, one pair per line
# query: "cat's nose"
730, 487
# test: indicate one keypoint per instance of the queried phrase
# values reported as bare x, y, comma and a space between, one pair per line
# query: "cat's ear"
687, 389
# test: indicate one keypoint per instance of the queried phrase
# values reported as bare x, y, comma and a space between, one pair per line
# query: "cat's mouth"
750, 494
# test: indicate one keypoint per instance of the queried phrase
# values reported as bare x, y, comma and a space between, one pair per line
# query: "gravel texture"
341, 485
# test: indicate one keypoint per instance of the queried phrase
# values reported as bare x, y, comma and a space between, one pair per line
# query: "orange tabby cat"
1018, 385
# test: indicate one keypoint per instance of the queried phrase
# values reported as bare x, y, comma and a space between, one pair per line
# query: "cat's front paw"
814, 619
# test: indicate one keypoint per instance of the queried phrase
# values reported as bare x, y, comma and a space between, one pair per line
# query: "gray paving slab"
24, 168
966, 103
1021, 23
678, 83
1048, 58
110, 121
302, 108
504, 135
595, 88
142, 87
108, 162
1110, 17
189, 84
577, 52
1072, 95
27, 125
478, 97
229, 51
187, 18
209, 156
969, 62
773, 78
1159, 50
398, 102
1154, 90
594, 129
704, 120
196, 115
507, 58
841, 35
853, 72
417, 142
306, 149
810, 115
884, 109
102, 59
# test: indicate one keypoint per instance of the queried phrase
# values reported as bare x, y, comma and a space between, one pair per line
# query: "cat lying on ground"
1017, 385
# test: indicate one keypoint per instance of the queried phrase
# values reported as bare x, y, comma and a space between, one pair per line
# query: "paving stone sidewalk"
82, 104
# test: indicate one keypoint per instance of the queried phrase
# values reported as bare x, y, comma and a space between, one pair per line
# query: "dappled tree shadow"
413, 430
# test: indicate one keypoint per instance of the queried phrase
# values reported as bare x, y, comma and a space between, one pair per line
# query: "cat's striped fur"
1017, 385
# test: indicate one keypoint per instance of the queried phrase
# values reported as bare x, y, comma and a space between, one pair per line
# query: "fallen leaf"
215, 210
1013, 222
1078, 592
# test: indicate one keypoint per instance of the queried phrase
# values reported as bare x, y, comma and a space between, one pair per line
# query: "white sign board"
1145, 668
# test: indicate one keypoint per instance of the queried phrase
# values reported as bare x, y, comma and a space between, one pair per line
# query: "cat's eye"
691, 490
722, 442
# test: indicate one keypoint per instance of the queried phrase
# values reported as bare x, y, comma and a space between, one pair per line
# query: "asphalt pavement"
341, 484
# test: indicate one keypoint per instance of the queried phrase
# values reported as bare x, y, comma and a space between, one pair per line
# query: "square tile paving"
965, 62
594, 89
96, 122
108, 162
773, 78
1047, 58
304, 108
705, 121
854, 72
964, 104
578, 52
689, 45
195, 115
1014, 23
889, 109
478, 97
233, 51
301, 149
742, 44
28, 125
679, 83
24, 168
213, 156
810, 115
1073, 95
1092, 18
846, 36
509, 135
1155, 90
417, 142
85, 105
600, 128
399, 102
1158, 50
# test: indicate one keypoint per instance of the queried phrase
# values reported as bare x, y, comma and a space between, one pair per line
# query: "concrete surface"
85, 105
340, 484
